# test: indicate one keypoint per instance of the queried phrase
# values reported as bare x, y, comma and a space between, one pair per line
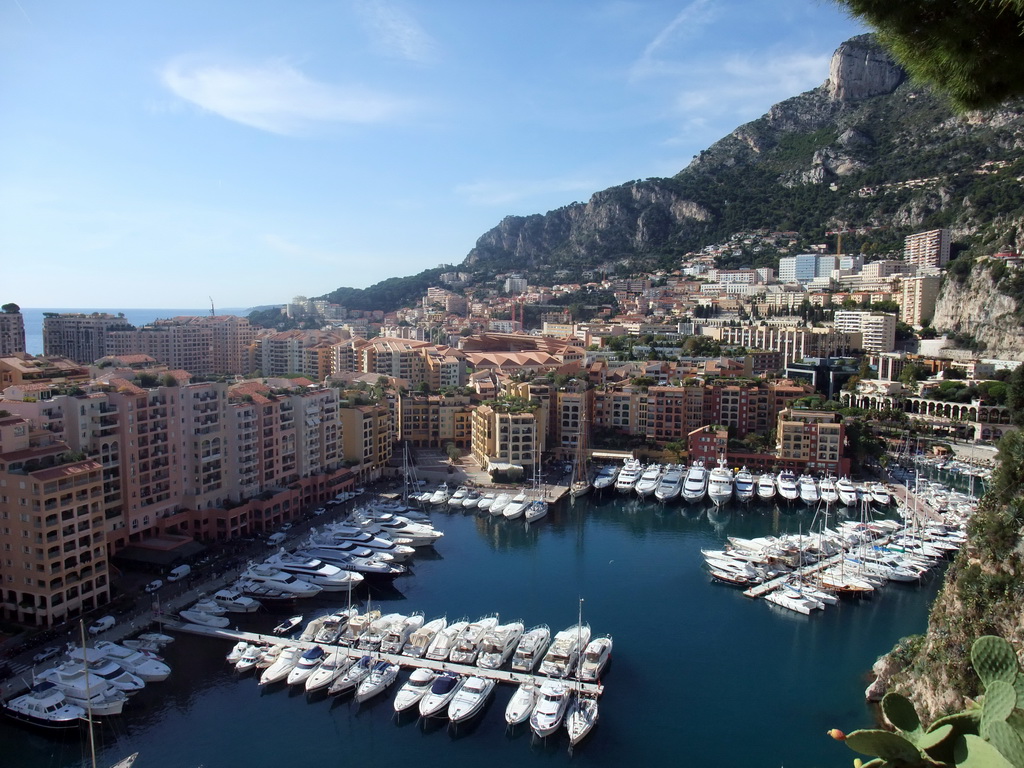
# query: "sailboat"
580, 471
582, 713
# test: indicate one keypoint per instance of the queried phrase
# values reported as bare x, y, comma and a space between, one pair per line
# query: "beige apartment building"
201, 345
79, 337
12, 332
366, 439
811, 441
927, 250
505, 436
877, 329
434, 421
53, 560
918, 296
794, 342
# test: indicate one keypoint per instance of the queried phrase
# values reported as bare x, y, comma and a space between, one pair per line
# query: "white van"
179, 573
276, 539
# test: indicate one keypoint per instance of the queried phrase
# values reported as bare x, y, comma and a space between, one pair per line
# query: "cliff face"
859, 70
976, 307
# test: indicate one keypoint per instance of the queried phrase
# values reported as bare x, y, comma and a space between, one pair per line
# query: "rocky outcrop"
976, 307
861, 69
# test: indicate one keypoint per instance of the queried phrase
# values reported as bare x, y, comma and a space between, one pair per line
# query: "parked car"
102, 624
45, 655
154, 585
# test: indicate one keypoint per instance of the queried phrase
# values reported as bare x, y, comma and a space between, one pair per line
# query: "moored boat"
414, 689
531, 648
549, 711
470, 699
520, 706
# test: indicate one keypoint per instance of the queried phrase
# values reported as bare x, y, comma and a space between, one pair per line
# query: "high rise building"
918, 297
877, 329
927, 249
12, 330
79, 337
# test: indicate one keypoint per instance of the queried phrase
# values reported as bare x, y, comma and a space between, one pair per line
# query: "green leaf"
933, 737
975, 752
1000, 700
1005, 739
899, 711
884, 744
994, 659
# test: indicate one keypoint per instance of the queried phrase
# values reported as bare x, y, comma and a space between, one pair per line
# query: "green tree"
11, 308
1015, 395
968, 49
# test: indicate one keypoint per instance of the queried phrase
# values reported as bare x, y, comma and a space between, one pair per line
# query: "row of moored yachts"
670, 482
528, 503
91, 682
343, 653
810, 572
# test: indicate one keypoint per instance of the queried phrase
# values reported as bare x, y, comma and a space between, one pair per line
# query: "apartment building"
12, 330
284, 353
21, 368
506, 436
918, 296
53, 561
812, 441
877, 330
572, 414
927, 250
366, 438
79, 337
201, 345
434, 421
793, 342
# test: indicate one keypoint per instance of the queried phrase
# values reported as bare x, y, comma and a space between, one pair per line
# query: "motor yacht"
382, 675
284, 663
879, 494
605, 477
278, 579
306, 665
809, 493
456, 499
421, 638
744, 485
352, 677
205, 619
356, 626
45, 706
520, 706
233, 601
766, 487
83, 690
289, 625
484, 505
787, 485
399, 633
720, 484
517, 506
145, 666
236, 652
581, 717
330, 578
467, 644
470, 698
828, 491
501, 501
414, 689
441, 692
595, 658
695, 485
332, 625
671, 484
549, 711
374, 634
341, 536
531, 648
847, 491
472, 499
648, 481
440, 496
367, 567
441, 646
628, 475
249, 658
208, 605
417, 532
332, 667
499, 644
565, 650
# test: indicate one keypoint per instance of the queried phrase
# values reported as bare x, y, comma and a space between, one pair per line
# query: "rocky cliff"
976, 307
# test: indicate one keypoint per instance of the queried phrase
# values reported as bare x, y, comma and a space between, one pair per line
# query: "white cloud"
396, 32
506, 192
687, 24
274, 96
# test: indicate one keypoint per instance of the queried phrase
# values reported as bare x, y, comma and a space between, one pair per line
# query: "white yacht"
421, 639
85, 691
788, 489
565, 650
233, 601
470, 698
499, 644
381, 676
531, 648
744, 485
330, 578
628, 475
278, 579
520, 706
399, 633
45, 706
441, 692
380, 545
517, 506
879, 494
467, 645
766, 487
374, 635
605, 477
205, 619
249, 658
828, 491
501, 501
352, 677
720, 484
847, 491
440, 647
550, 708
333, 666
484, 505
535, 510
145, 666
696, 483
472, 499
356, 626
414, 689
456, 499
671, 484
809, 490
595, 658
648, 481
283, 664
440, 496
307, 664
581, 717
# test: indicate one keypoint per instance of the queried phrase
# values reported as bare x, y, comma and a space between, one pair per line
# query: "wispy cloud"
396, 32
274, 95
687, 24
506, 192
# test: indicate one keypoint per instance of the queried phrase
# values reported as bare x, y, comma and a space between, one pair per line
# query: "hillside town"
118, 440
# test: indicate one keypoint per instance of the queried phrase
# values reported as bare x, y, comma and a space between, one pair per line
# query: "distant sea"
34, 319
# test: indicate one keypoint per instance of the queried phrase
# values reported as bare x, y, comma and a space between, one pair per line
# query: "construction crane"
848, 230
213, 312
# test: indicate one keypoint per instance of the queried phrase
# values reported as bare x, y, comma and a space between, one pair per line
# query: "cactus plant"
994, 659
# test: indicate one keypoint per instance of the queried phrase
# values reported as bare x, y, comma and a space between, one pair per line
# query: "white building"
877, 329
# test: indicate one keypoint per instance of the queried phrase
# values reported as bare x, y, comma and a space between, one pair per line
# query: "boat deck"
500, 675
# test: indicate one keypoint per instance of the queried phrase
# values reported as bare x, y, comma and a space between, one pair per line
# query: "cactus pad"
1000, 701
884, 744
994, 659
901, 713
975, 752
1005, 739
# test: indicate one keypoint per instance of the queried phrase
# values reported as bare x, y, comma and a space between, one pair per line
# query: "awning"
139, 554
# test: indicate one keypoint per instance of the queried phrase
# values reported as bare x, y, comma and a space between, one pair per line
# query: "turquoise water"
700, 674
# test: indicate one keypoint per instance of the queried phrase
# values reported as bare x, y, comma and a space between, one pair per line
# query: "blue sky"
154, 153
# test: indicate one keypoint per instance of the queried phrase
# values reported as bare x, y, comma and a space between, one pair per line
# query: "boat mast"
88, 696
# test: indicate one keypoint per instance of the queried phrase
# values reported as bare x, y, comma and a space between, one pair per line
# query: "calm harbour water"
700, 674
